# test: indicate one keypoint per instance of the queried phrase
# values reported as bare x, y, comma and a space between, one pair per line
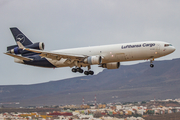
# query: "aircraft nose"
172, 49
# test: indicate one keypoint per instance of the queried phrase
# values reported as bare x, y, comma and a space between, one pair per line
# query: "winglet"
20, 45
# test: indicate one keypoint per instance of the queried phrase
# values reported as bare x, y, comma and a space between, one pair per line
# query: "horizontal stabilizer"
19, 57
11, 47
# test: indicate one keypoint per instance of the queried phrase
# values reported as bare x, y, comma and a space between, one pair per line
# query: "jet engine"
38, 46
92, 60
112, 65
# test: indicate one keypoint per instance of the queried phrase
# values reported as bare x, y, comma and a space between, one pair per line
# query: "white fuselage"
120, 52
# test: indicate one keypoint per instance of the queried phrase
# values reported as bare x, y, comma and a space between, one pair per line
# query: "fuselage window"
166, 45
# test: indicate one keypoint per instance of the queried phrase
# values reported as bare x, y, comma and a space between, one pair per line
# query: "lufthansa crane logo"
20, 38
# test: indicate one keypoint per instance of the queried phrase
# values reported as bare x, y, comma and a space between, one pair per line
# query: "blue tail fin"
19, 36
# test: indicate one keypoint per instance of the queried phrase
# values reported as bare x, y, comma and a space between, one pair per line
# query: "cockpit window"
166, 45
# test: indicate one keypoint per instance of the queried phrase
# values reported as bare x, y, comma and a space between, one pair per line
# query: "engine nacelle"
92, 60
38, 46
112, 65
16, 50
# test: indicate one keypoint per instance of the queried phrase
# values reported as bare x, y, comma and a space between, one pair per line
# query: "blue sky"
80, 23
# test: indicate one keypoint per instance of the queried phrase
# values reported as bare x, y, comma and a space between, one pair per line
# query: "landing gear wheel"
74, 70
81, 71
91, 72
86, 73
151, 65
78, 69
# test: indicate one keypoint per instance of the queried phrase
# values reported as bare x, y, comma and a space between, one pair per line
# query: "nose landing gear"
151, 63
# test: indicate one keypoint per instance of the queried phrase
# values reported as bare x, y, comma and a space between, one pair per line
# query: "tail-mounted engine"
15, 49
112, 65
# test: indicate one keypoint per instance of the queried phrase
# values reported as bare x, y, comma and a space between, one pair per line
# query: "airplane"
106, 56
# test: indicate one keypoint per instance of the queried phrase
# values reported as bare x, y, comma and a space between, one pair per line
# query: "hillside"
130, 83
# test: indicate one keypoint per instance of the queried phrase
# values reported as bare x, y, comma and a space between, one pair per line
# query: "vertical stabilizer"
19, 36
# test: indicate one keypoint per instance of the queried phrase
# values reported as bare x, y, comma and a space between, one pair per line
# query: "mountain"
128, 83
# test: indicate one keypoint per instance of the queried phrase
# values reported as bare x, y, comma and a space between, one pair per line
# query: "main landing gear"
77, 70
89, 72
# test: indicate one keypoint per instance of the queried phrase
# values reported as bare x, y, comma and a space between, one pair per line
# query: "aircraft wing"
19, 57
56, 55
53, 55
